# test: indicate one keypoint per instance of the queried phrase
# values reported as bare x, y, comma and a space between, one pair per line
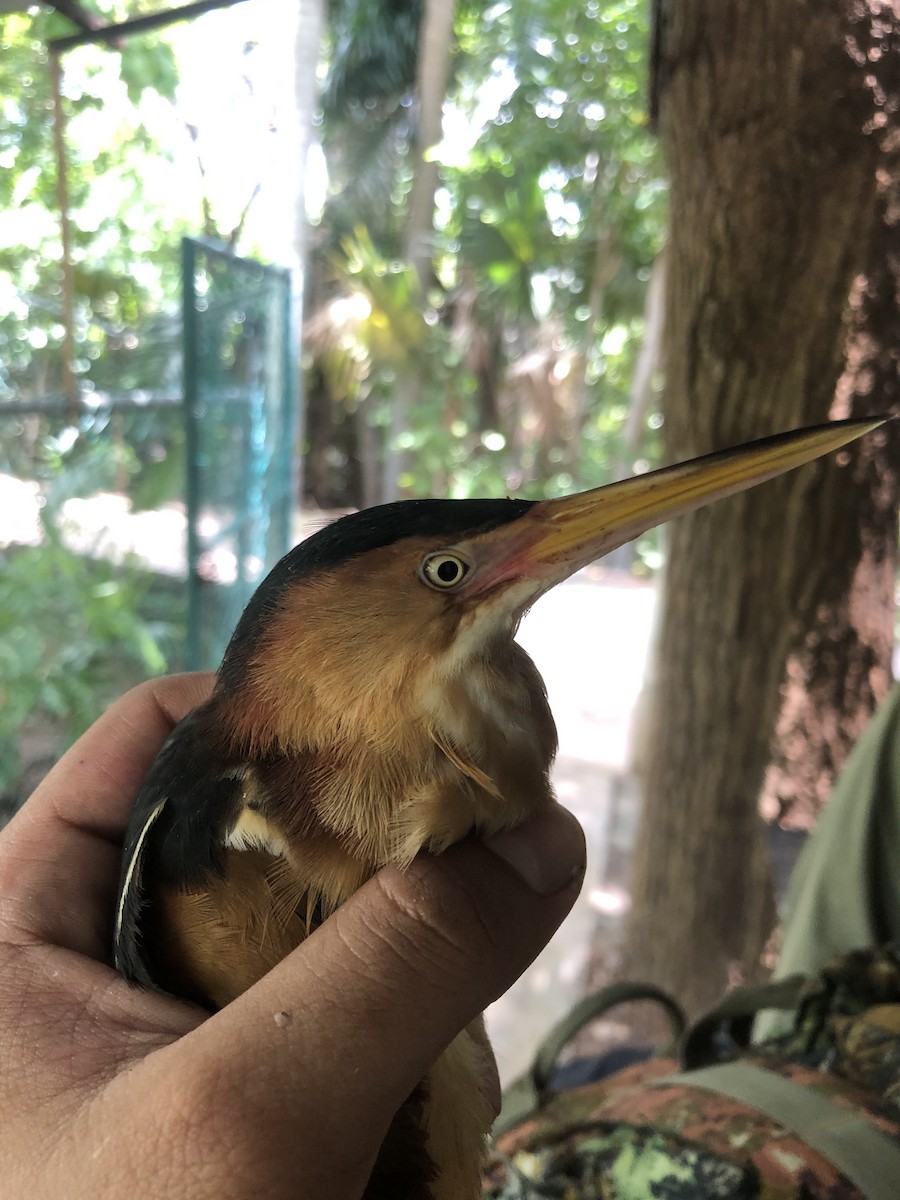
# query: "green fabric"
868, 1158
845, 890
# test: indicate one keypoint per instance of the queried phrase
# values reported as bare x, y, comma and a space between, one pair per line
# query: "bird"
373, 703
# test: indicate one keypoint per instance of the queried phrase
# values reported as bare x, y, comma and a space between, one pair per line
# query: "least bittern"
372, 703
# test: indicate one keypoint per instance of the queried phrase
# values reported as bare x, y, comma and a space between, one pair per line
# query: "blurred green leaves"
73, 634
550, 217
147, 63
124, 231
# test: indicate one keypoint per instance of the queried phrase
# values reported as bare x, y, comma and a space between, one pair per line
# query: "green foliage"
558, 210
76, 628
148, 64
71, 637
551, 212
550, 218
372, 54
367, 117
124, 229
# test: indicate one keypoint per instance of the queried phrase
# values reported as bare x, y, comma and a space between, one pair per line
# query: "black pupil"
448, 571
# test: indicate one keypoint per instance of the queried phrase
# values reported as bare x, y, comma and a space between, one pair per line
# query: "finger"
338, 1034
59, 856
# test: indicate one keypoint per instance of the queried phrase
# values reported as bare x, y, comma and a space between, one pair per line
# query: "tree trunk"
432, 74
310, 24
839, 669
773, 203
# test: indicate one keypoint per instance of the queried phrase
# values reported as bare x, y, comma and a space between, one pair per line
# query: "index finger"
59, 856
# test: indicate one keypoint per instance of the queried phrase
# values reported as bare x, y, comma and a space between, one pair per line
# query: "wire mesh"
135, 524
240, 436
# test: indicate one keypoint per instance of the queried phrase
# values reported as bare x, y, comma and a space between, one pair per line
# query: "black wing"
189, 800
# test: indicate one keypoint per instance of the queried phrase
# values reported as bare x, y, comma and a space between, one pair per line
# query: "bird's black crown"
445, 521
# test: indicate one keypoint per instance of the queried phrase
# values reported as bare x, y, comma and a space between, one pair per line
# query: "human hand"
107, 1091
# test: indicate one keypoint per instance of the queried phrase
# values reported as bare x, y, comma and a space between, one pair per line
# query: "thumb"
435, 945
347, 1025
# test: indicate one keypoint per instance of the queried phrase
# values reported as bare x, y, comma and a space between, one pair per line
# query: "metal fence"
240, 425
222, 444
180, 486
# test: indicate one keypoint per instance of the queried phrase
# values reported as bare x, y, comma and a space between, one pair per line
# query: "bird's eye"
444, 570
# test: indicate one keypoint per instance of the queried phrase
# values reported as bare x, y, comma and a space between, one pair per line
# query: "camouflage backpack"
812, 1115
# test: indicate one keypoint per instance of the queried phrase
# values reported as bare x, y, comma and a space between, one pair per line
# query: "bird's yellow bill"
577, 529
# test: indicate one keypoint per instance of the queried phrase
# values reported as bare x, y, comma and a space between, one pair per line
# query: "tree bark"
432, 75
839, 668
764, 114
309, 29
310, 25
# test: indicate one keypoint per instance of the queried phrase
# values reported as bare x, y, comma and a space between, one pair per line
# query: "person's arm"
111, 1092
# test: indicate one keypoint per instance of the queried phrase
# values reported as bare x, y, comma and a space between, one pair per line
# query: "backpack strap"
869, 1158
525, 1096
734, 1015
594, 1006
